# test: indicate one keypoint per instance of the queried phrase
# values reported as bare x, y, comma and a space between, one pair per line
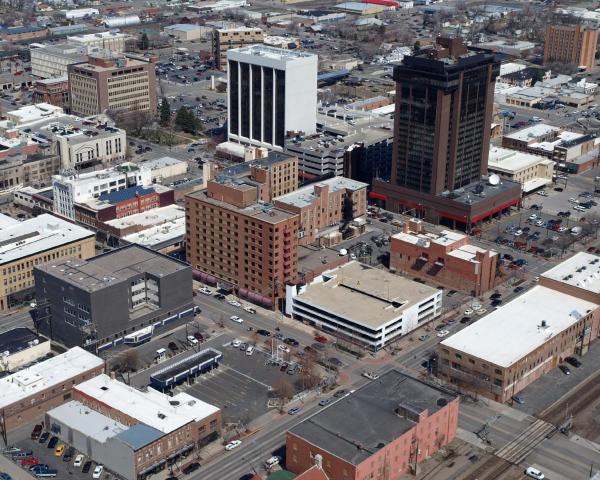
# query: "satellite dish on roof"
494, 179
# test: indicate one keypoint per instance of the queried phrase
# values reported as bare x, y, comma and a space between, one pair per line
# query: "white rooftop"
511, 161
548, 146
511, 67
87, 421
184, 27
149, 407
161, 162
156, 216
39, 234
533, 132
91, 37
156, 235
306, 195
46, 374
33, 113
6, 221
514, 330
582, 270
273, 53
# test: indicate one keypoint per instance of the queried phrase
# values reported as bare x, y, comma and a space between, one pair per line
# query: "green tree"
187, 121
144, 42
165, 112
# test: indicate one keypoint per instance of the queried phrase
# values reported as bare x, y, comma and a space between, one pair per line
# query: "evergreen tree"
144, 42
165, 112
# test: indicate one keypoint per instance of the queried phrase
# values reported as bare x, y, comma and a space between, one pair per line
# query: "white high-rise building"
272, 92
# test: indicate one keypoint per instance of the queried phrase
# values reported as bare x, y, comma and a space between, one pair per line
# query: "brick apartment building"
114, 82
236, 242
519, 342
382, 430
446, 258
54, 91
27, 394
571, 44
325, 204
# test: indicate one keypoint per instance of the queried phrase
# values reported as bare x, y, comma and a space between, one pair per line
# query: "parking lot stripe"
250, 378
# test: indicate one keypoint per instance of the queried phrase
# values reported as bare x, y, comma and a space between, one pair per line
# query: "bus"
139, 337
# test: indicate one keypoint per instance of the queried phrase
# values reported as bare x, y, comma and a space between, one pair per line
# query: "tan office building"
37, 241
116, 83
571, 44
227, 38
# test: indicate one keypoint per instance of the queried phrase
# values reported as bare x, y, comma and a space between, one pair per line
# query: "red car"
321, 339
29, 461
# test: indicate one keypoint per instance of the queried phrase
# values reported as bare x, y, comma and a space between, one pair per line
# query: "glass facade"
233, 98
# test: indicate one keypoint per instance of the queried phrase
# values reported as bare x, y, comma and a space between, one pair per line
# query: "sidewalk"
16, 472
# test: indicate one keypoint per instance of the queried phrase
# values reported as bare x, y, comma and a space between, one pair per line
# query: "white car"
539, 223
533, 216
518, 233
370, 375
284, 348
476, 306
98, 471
233, 444
236, 343
78, 460
236, 319
481, 311
192, 340
573, 200
205, 290
534, 473
250, 310
234, 303
468, 312
442, 333
562, 229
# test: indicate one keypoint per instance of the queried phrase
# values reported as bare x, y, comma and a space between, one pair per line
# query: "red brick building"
446, 258
236, 242
381, 431
122, 203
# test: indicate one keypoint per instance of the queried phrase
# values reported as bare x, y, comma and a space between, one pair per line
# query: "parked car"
422, 338
321, 339
22, 454
442, 333
78, 460
44, 437
370, 375
519, 399
564, 369
173, 347
98, 471
340, 393
59, 450
233, 444
291, 341
205, 290
234, 303
192, 467
534, 473
325, 401
263, 332
236, 319
68, 456
294, 410
27, 462
250, 310
36, 432
573, 361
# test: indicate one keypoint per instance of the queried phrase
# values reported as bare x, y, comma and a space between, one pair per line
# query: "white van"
271, 462
534, 473
250, 350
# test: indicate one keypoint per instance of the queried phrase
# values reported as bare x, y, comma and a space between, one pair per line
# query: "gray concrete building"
119, 296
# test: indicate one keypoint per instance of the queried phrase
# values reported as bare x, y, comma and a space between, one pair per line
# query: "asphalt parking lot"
553, 385
241, 385
46, 456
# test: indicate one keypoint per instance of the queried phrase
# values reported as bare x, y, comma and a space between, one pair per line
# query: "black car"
52, 443
340, 393
68, 456
291, 341
220, 296
192, 467
86, 467
44, 437
573, 361
464, 320
173, 347
518, 289
263, 332
493, 296
564, 369
496, 302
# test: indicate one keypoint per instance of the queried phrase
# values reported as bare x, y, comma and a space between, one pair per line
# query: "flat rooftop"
150, 407
36, 235
361, 423
514, 330
532, 133
265, 213
162, 216
208, 355
19, 339
582, 270
46, 374
306, 196
510, 161
366, 295
90, 423
161, 162
115, 266
273, 53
